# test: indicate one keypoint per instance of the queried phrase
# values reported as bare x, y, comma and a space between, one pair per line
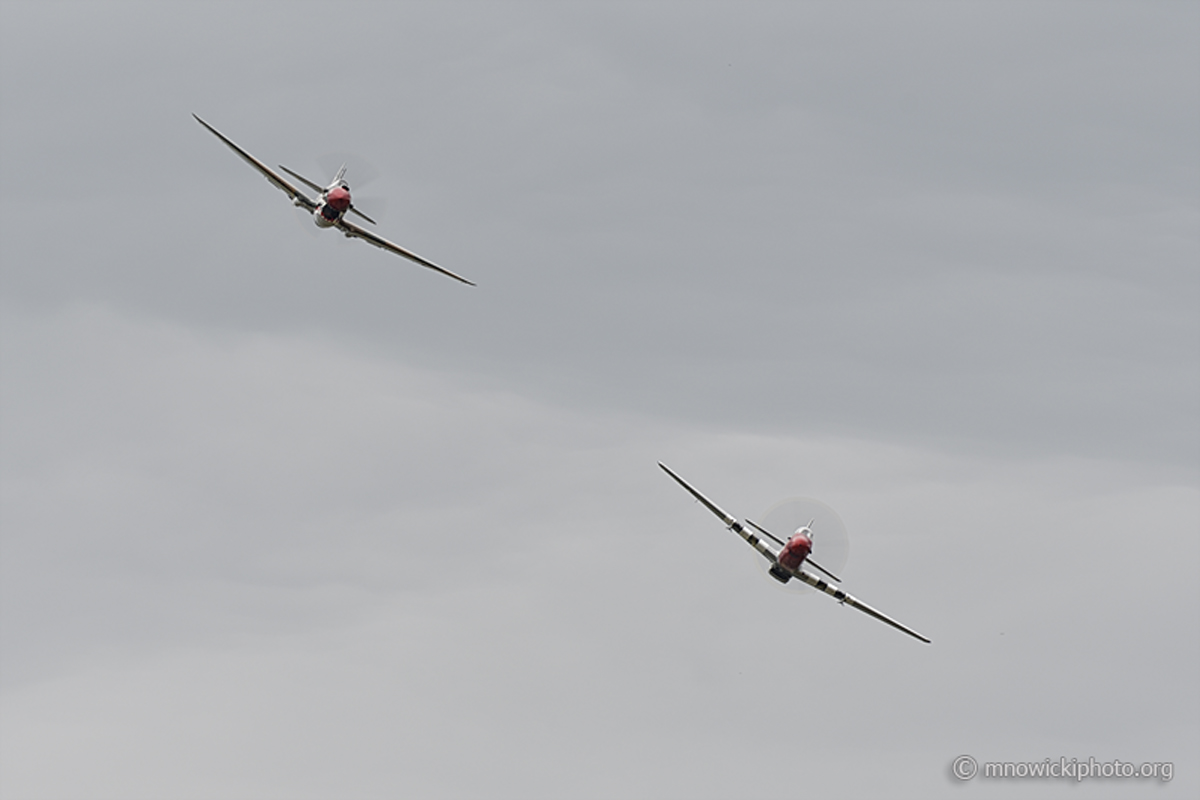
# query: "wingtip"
916, 635
675, 476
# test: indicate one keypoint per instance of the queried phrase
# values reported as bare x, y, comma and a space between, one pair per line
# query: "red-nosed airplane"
331, 209
787, 563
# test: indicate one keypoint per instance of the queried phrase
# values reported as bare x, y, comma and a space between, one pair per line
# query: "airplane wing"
291, 191
729, 521
799, 574
350, 229
320, 190
850, 600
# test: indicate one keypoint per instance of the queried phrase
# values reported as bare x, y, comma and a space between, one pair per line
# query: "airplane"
329, 211
788, 562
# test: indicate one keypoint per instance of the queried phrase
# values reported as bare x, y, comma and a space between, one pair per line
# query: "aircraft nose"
339, 198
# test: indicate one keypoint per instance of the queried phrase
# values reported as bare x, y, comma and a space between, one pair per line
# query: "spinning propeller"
787, 555
338, 179
333, 198
830, 541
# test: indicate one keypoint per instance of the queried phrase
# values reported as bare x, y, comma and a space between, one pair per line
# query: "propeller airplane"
792, 556
331, 207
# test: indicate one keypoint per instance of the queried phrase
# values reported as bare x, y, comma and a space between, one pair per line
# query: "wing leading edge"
854, 602
297, 197
731, 523
799, 574
350, 229
300, 199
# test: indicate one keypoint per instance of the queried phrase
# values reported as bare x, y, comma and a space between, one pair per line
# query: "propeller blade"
831, 544
362, 171
775, 538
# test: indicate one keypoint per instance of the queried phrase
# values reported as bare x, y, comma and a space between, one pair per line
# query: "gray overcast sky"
287, 516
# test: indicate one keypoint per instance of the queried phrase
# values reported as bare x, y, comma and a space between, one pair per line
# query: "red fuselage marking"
334, 206
795, 551
339, 198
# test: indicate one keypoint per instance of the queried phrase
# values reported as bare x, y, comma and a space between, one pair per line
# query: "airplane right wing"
850, 600
352, 230
295, 194
729, 521
799, 574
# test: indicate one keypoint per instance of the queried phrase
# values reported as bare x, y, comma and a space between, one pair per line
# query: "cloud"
351, 566
284, 513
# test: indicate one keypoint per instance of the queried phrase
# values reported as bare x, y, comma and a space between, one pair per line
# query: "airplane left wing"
799, 574
729, 521
295, 194
350, 229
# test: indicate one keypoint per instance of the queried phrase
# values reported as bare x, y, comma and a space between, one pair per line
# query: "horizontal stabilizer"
815, 565
354, 210
767, 533
303, 179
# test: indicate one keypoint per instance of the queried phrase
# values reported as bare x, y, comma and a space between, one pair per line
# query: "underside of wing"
799, 574
709, 504
350, 229
850, 600
291, 191
730, 522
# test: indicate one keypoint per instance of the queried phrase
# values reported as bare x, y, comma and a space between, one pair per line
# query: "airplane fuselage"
330, 209
334, 204
796, 549
791, 556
